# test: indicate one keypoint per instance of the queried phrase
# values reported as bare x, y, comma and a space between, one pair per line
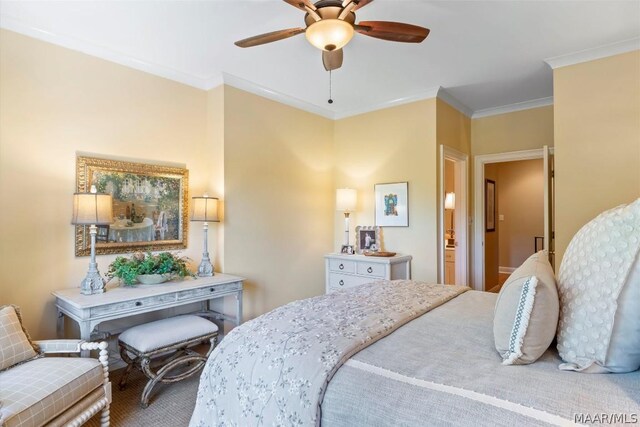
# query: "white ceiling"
484, 53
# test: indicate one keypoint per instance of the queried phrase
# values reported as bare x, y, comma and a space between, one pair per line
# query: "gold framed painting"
150, 205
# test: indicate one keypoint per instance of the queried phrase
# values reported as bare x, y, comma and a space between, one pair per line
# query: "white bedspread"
274, 369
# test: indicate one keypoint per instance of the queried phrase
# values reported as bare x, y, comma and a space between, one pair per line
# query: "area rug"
170, 405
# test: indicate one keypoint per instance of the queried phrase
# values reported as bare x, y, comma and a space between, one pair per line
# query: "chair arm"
59, 346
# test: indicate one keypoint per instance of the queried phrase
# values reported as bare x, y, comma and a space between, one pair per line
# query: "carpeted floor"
170, 405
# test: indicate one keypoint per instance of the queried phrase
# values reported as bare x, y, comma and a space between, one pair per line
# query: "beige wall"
279, 199
520, 187
597, 139
515, 131
393, 145
453, 128
492, 238
55, 102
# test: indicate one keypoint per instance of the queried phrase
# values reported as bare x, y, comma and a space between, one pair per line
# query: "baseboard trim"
506, 270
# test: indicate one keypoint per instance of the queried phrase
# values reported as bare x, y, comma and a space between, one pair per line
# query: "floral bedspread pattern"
274, 370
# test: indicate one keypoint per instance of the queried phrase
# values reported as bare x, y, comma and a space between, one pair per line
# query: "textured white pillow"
526, 313
599, 288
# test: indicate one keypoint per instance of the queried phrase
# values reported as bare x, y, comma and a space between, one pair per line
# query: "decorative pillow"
526, 313
15, 344
599, 287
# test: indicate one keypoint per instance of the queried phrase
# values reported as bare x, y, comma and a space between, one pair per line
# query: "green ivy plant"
128, 269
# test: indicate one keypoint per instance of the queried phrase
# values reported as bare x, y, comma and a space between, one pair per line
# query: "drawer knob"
138, 303
369, 270
212, 289
341, 283
341, 266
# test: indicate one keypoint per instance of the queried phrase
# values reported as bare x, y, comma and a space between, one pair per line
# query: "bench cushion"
166, 332
37, 391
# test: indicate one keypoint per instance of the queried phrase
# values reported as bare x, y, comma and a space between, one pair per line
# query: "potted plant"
148, 268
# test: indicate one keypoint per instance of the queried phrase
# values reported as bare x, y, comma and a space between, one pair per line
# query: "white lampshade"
450, 201
329, 34
346, 199
92, 208
205, 208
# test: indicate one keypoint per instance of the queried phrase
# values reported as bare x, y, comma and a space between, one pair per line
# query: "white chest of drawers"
346, 271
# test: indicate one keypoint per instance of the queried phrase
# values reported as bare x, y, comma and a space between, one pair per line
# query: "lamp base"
92, 284
205, 269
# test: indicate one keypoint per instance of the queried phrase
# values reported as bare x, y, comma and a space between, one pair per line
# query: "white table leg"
239, 308
60, 324
85, 334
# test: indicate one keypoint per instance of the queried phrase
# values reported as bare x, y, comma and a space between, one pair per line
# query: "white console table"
91, 310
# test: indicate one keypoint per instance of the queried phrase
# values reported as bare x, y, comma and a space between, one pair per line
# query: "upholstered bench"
172, 336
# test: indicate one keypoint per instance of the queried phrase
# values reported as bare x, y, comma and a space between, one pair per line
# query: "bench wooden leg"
125, 375
161, 376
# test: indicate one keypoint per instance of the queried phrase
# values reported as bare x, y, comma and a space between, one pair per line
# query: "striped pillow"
526, 312
15, 344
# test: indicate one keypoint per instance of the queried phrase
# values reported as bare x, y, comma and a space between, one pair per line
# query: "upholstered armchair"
55, 391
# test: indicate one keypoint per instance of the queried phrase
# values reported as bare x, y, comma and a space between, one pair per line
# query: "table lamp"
346, 199
92, 209
205, 209
450, 204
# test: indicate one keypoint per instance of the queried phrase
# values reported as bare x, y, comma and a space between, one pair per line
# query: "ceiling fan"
330, 25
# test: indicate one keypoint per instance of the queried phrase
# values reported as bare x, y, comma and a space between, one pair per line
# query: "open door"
549, 235
453, 249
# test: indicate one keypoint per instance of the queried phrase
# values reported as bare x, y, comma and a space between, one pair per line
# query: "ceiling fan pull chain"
330, 101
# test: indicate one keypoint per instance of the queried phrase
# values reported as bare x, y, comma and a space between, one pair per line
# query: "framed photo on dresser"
367, 239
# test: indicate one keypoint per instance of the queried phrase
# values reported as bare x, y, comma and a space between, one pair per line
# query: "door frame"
478, 216
461, 173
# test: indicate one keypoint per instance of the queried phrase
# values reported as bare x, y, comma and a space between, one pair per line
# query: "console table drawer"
342, 266
125, 306
212, 290
372, 269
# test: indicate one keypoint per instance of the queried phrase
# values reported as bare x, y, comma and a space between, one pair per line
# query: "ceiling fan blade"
332, 60
269, 37
300, 4
362, 3
392, 31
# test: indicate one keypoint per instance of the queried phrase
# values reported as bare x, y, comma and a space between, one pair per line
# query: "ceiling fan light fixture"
329, 34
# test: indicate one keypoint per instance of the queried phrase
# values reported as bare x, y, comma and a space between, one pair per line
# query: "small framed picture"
347, 250
392, 204
367, 239
490, 205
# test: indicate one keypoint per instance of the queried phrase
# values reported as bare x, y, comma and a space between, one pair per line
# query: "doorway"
453, 236
513, 213
517, 230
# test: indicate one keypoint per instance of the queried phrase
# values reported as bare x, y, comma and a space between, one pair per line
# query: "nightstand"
347, 271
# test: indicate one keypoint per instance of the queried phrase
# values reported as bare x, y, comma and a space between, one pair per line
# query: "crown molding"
256, 89
518, 106
427, 94
13, 24
444, 95
594, 53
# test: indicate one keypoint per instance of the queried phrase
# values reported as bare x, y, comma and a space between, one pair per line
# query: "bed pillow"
526, 312
599, 287
15, 344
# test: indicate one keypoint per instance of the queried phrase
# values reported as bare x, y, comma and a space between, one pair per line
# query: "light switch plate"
501, 217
